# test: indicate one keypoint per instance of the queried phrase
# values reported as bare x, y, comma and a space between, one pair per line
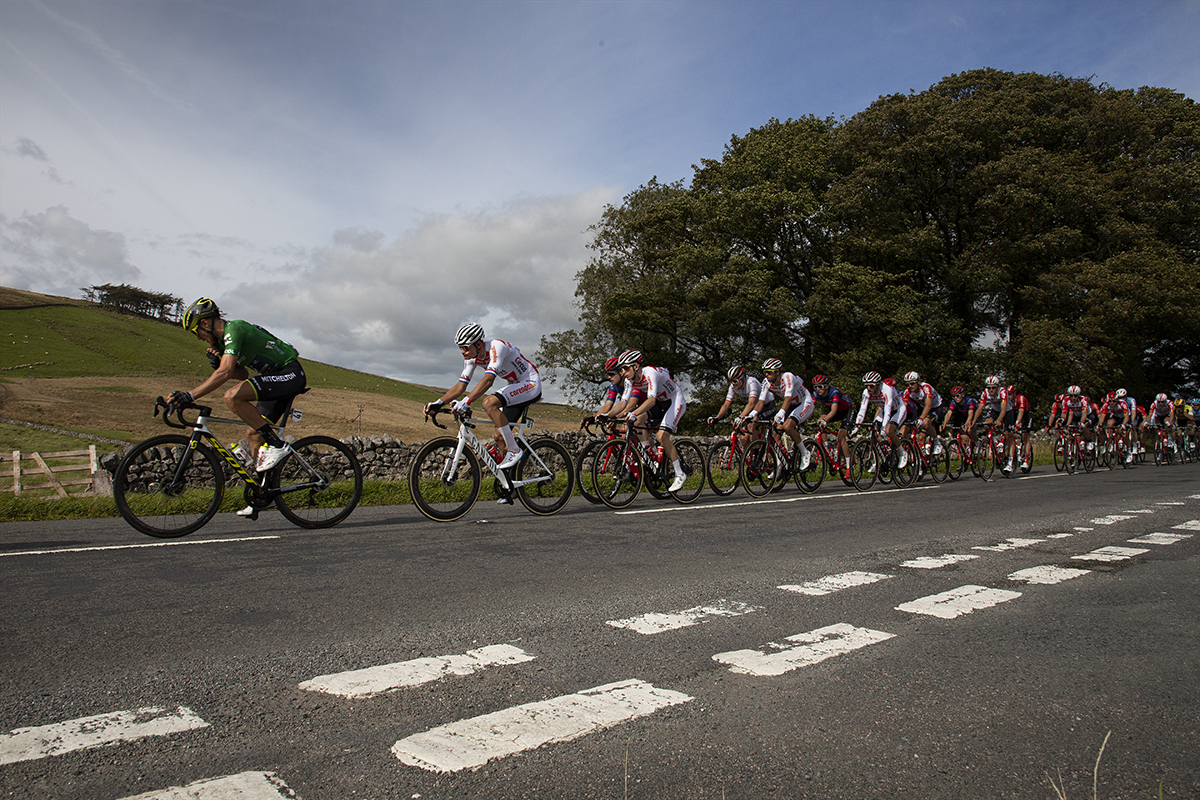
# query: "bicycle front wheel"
954, 459
442, 488
1060, 454
617, 474
165, 488
724, 474
939, 462
760, 468
908, 474
692, 460
550, 464
865, 463
985, 459
320, 482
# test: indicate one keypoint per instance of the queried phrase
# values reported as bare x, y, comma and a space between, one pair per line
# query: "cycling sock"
678, 466
510, 441
269, 436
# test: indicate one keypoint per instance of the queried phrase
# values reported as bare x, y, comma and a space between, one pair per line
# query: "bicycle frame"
467, 438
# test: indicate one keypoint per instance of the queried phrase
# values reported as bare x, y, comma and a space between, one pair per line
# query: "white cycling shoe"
511, 459
678, 483
270, 457
245, 512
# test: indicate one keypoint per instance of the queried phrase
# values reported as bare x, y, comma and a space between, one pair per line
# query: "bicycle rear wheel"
1060, 454
809, 479
724, 472
442, 489
617, 474
321, 482
583, 472
165, 488
550, 463
760, 468
692, 460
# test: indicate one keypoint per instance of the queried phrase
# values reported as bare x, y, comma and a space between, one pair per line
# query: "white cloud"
55, 253
392, 309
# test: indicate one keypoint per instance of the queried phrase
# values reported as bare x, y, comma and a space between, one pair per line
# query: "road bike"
824, 460
988, 453
625, 465
958, 453
769, 465
1079, 452
930, 458
1165, 446
446, 475
724, 461
872, 458
171, 485
584, 481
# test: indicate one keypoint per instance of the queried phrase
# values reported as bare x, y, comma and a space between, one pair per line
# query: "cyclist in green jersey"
234, 348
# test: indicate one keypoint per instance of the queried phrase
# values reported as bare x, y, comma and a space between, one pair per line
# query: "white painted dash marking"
650, 624
957, 602
1111, 553
835, 583
1171, 503
1111, 519
1009, 544
1060, 536
937, 562
801, 650
1190, 525
1084, 529
1161, 538
243, 786
386, 677
1141, 511
1194, 497
26, 744
471, 743
1047, 575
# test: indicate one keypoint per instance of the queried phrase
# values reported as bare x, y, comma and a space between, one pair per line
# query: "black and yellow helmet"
201, 309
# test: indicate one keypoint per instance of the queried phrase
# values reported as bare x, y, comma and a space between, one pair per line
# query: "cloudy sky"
362, 176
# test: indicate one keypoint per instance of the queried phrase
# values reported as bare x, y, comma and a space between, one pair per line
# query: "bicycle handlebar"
177, 409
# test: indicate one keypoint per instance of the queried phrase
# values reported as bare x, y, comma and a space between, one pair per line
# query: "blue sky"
362, 177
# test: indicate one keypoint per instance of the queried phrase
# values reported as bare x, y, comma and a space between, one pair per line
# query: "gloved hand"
460, 406
213, 358
780, 416
712, 420
631, 417
179, 398
753, 414
433, 408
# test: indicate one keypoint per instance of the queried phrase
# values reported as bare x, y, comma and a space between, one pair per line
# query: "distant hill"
68, 363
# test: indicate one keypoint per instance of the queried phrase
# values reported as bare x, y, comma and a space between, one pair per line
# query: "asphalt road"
874, 696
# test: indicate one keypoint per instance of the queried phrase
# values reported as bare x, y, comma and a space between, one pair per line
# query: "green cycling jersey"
255, 347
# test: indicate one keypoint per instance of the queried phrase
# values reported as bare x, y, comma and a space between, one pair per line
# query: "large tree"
1038, 226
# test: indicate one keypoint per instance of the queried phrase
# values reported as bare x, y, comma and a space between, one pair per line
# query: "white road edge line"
135, 546
471, 743
26, 744
772, 501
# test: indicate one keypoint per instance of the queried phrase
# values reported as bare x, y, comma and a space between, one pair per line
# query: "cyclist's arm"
228, 370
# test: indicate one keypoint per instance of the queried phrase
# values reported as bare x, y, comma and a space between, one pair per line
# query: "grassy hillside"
72, 365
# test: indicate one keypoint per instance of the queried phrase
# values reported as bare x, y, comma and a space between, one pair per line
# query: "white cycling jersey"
654, 382
504, 360
917, 395
891, 407
750, 388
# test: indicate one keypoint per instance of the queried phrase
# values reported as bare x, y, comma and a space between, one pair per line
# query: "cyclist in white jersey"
932, 412
796, 404
892, 409
663, 407
743, 386
503, 407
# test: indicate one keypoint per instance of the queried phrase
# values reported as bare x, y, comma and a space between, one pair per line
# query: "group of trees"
1040, 227
127, 299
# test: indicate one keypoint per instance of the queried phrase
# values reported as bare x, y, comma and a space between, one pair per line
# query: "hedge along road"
961, 640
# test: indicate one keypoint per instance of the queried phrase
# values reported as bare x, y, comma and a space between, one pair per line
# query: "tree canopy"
1035, 226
